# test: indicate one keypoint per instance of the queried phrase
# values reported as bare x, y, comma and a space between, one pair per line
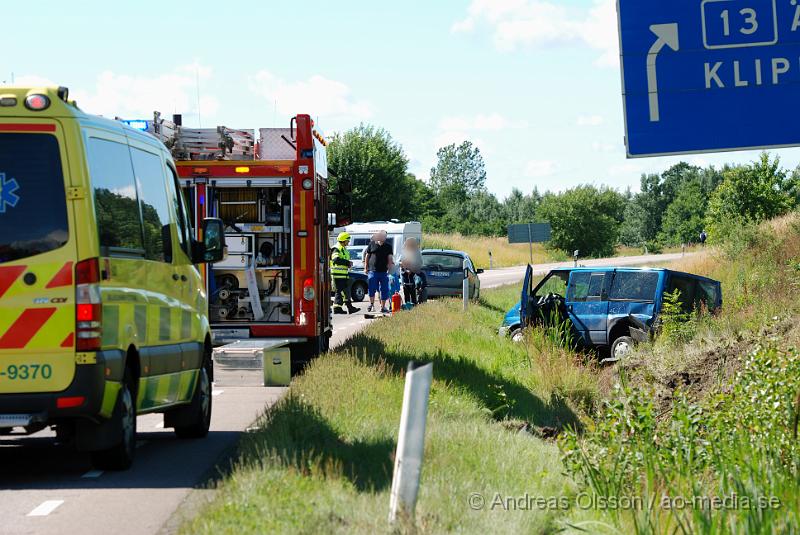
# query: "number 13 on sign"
739, 23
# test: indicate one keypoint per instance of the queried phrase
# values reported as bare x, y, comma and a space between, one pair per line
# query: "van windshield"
33, 203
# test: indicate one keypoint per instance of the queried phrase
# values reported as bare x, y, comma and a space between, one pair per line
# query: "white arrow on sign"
667, 36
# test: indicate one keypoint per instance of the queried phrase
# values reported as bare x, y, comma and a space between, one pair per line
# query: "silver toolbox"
241, 363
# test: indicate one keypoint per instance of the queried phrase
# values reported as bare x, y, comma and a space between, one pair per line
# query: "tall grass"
508, 255
503, 253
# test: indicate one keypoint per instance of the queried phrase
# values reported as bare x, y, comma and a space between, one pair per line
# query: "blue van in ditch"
608, 307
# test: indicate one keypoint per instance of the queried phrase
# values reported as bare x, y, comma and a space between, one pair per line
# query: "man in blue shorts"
378, 262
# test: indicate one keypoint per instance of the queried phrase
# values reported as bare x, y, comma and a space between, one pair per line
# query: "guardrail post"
465, 289
410, 441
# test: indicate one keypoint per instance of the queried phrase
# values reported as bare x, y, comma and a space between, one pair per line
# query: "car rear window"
634, 286
33, 202
442, 262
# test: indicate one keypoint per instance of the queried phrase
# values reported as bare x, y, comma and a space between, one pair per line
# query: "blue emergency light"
138, 124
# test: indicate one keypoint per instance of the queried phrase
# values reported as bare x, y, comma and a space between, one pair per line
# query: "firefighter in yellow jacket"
340, 273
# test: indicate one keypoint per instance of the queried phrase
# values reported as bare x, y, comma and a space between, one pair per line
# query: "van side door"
163, 285
192, 296
587, 305
634, 292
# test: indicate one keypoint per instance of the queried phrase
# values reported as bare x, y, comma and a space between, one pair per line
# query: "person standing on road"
340, 273
378, 262
413, 276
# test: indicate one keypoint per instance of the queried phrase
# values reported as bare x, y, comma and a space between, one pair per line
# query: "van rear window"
33, 201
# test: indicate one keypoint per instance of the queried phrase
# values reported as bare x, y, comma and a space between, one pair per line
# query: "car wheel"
358, 292
120, 456
200, 407
621, 347
517, 335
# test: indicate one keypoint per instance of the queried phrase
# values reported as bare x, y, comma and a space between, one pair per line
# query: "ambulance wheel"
198, 413
120, 456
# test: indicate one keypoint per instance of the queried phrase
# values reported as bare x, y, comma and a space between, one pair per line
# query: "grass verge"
322, 458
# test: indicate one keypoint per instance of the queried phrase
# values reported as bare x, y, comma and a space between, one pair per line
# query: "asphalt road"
45, 488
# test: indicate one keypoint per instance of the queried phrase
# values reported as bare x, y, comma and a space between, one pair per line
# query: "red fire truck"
277, 207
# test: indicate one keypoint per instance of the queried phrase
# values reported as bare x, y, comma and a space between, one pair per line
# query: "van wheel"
517, 335
120, 456
198, 412
621, 347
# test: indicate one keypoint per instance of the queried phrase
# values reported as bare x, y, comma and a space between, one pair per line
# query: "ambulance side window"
149, 171
116, 202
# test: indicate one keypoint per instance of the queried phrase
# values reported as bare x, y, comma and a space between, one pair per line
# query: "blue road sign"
709, 75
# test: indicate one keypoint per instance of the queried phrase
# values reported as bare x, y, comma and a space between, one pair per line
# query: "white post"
465, 290
410, 441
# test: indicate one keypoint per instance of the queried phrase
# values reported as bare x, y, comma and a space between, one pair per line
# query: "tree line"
671, 208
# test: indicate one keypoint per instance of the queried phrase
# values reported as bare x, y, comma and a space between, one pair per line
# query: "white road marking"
217, 392
46, 508
92, 474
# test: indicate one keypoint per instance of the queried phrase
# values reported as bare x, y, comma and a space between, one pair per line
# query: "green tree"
584, 218
459, 174
751, 193
378, 168
684, 218
521, 208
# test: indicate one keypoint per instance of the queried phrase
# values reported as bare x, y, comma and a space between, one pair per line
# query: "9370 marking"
25, 372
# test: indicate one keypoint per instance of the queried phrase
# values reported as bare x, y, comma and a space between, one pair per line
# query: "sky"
535, 84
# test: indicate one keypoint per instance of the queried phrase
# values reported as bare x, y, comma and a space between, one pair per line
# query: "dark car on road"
445, 272
357, 286
608, 307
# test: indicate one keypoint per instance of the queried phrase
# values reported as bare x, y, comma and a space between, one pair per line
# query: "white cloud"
323, 96
536, 23
599, 146
590, 120
137, 97
540, 168
32, 80
491, 122
460, 128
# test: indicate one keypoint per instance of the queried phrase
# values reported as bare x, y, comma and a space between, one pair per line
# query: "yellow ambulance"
103, 311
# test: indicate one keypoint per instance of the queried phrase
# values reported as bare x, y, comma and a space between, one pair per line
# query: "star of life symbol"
7, 195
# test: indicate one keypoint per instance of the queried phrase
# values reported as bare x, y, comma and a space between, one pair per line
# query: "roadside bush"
677, 325
654, 247
729, 465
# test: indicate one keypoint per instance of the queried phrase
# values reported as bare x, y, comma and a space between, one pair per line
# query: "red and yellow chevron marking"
26, 325
9, 275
